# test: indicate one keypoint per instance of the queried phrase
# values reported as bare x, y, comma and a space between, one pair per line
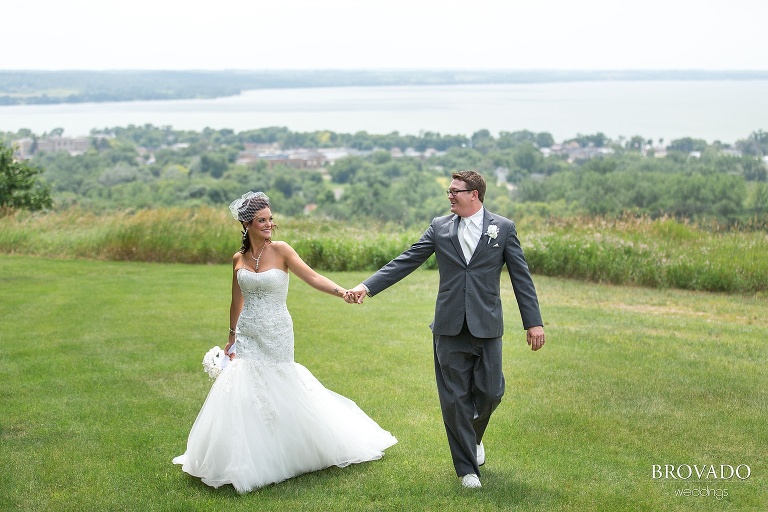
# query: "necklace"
257, 258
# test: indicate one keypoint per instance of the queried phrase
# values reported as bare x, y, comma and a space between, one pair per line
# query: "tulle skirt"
262, 424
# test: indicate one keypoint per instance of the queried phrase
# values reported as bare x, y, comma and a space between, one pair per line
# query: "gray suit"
468, 322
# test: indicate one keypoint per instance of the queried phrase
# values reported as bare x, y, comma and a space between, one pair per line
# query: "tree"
346, 169
214, 164
19, 184
482, 141
598, 140
545, 140
754, 168
602, 165
527, 157
688, 144
756, 144
760, 199
636, 143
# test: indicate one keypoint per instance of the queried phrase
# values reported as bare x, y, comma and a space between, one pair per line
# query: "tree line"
19, 87
148, 166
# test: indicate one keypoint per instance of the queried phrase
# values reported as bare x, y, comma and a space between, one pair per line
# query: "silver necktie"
466, 239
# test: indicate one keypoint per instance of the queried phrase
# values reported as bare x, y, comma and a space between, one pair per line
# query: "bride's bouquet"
214, 362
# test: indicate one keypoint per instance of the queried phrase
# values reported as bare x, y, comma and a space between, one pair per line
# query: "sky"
391, 34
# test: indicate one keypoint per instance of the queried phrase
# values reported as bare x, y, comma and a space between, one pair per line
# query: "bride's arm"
236, 306
296, 265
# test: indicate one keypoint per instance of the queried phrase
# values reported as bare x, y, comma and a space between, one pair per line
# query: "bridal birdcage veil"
244, 209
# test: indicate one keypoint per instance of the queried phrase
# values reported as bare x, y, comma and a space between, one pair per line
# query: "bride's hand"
350, 297
227, 347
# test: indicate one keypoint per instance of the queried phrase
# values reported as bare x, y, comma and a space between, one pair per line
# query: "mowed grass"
102, 378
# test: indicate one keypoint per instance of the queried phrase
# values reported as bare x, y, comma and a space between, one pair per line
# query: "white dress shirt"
473, 230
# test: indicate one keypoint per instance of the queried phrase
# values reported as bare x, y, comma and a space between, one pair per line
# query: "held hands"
353, 297
356, 294
535, 337
348, 295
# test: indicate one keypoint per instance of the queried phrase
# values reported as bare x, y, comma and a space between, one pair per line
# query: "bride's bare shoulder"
237, 258
281, 247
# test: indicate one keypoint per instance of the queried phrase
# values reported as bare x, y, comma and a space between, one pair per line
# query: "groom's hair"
474, 181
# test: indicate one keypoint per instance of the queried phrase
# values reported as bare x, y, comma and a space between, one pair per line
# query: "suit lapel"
487, 219
454, 227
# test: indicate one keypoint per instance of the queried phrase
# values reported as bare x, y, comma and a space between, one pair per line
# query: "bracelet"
231, 331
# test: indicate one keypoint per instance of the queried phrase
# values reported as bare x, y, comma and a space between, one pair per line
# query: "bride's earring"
245, 233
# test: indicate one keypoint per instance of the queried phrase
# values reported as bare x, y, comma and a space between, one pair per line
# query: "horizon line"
407, 70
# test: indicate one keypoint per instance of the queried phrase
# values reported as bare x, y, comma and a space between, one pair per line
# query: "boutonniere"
493, 232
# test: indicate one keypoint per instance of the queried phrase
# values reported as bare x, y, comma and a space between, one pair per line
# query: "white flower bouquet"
214, 362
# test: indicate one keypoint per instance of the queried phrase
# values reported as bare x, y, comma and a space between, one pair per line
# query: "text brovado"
701, 472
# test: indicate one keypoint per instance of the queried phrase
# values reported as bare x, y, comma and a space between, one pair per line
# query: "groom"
471, 245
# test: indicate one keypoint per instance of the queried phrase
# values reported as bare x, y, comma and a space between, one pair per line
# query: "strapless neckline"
263, 271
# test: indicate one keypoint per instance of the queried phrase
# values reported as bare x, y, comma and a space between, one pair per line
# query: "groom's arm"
525, 292
400, 267
522, 282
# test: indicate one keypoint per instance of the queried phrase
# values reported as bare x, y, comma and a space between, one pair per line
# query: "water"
710, 110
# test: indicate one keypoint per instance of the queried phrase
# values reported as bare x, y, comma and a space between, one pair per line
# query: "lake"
711, 110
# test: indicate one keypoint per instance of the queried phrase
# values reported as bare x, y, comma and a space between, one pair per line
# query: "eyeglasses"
454, 192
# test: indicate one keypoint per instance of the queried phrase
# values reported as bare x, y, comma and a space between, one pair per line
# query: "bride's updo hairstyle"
245, 209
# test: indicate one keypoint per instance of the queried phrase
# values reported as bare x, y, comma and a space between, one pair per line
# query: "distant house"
333, 154
27, 147
295, 158
574, 152
298, 159
413, 153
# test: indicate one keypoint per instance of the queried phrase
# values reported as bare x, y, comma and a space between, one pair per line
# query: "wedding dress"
266, 417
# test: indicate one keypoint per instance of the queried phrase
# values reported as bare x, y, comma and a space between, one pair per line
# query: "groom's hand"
535, 337
359, 292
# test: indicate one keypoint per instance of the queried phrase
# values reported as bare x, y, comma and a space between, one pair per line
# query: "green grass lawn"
102, 378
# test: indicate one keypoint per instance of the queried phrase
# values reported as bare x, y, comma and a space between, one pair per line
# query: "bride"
266, 417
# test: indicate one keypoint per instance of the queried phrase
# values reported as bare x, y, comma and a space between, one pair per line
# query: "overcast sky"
408, 34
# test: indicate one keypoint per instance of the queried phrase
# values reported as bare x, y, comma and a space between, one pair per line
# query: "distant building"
731, 152
413, 153
573, 152
296, 158
299, 159
26, 148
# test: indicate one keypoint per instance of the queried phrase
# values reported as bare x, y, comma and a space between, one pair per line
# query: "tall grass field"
636, 390
657, 253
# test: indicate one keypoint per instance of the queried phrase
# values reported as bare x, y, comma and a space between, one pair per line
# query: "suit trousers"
470, 385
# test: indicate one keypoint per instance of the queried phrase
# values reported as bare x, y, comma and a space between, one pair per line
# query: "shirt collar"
477, 218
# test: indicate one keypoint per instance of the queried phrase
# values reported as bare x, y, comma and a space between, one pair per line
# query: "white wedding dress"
267, 418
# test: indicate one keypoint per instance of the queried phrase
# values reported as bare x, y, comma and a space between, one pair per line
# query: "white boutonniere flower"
493, 232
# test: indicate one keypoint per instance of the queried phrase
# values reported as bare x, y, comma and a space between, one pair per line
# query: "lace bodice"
265, 328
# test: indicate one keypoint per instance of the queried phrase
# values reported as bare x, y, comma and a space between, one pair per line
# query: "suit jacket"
468, 290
